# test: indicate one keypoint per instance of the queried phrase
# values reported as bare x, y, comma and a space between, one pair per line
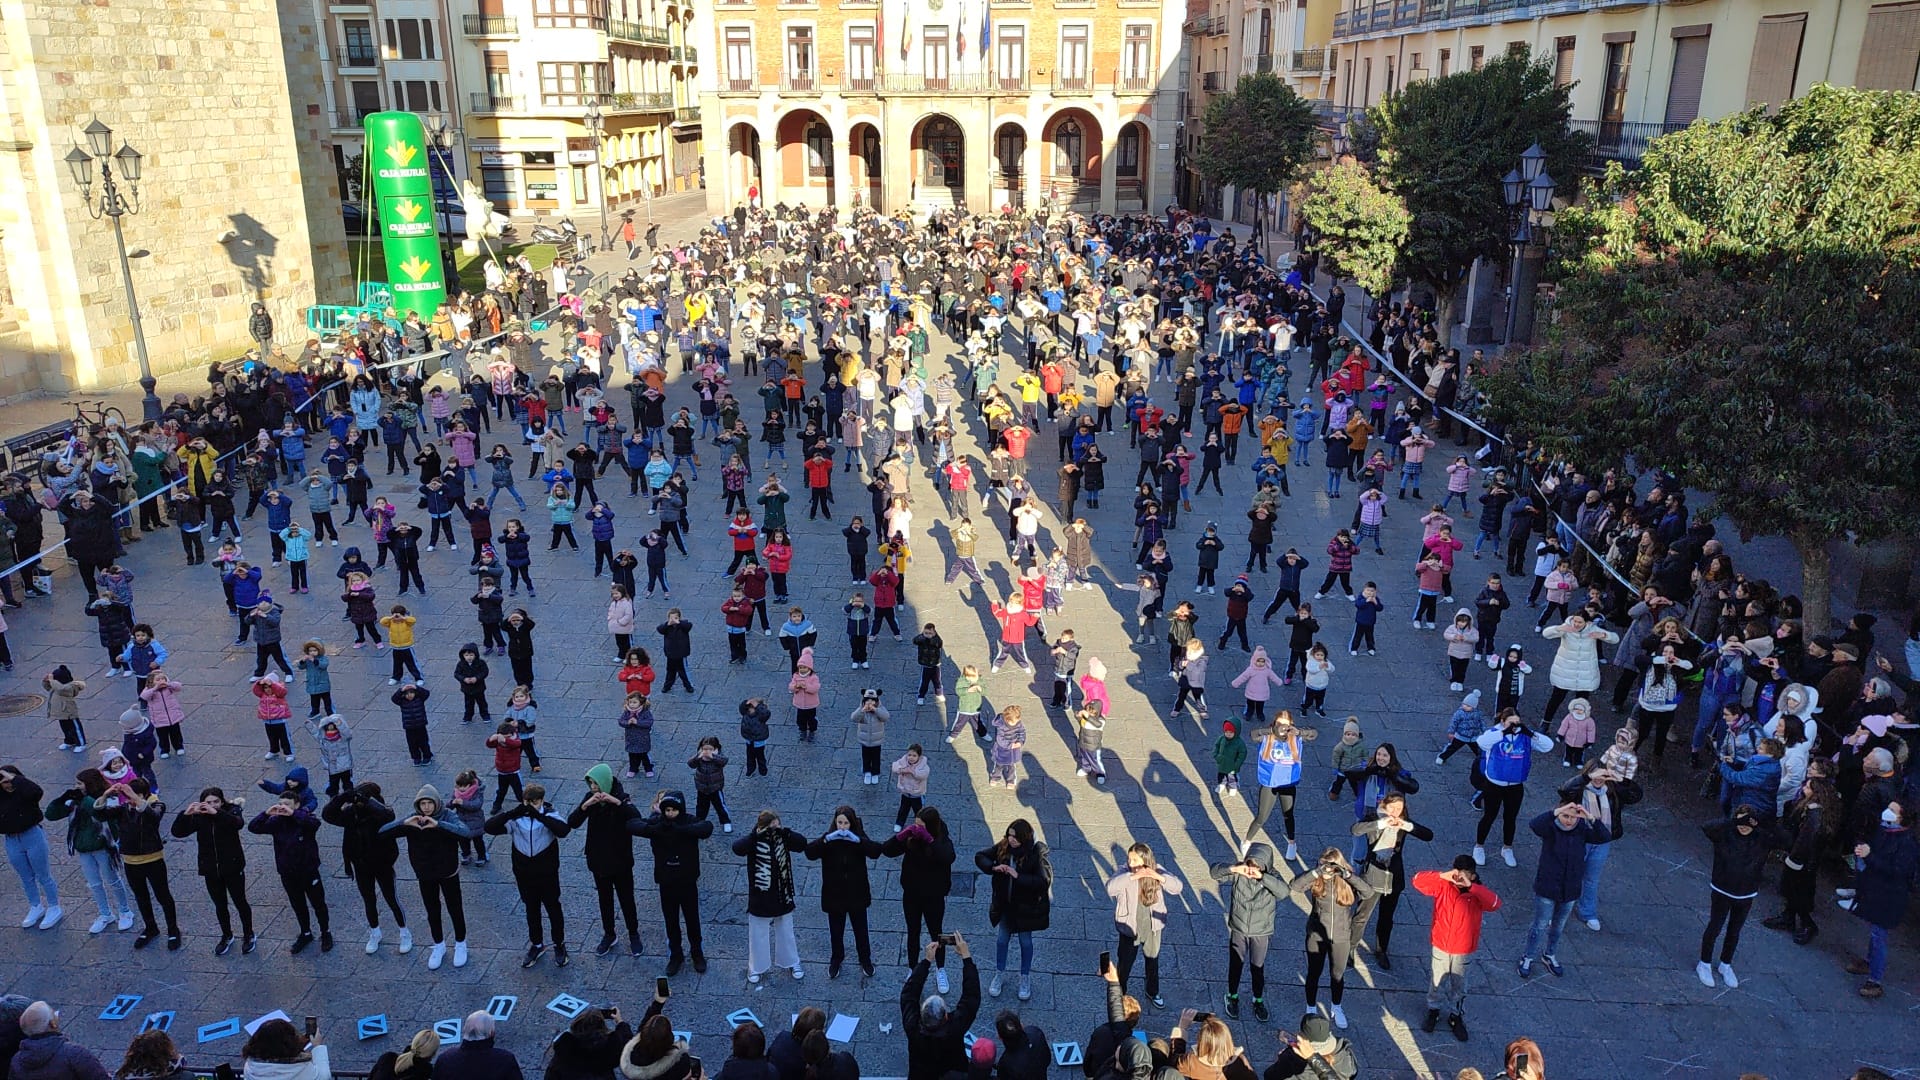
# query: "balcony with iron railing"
688, 55
638, 101
1262, 63
1211, 81
686, 114
1073, 82
358, 58
484, 102
1133, 82
801, 82
1375, 16
642, 33
350, 117
490, 25
1308, 61
1618, 140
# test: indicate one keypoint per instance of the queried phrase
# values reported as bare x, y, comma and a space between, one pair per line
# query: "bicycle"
101, 414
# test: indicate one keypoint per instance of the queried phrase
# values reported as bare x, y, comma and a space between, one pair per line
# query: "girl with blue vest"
1277, 768
1506, 756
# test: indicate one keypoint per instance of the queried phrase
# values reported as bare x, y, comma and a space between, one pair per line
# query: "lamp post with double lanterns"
596, 121
1528, 193
443, 136
114, 205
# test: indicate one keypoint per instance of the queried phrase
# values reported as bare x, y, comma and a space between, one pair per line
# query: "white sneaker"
436, 955
1506, 856
1439, 761
728, 827
1705, 971
1593, 925
1455, 687
34, 915
459, 954
1727, 976
393, 682
406, 941
126, 921
1026, 988
268, 756
1293, 850
940, 983
429, 547
373, 941
1339, 1017
798, 973
164, 755
1479, 855
54, 915
286, 757
99, 925
993, 986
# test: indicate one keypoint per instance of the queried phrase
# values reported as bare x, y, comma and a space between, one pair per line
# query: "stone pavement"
1628, 1005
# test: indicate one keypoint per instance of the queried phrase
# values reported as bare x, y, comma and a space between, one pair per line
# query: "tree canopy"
1257, 136
1745, 311
1445, 144
1361, 227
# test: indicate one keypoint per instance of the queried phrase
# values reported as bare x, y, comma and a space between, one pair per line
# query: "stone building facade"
226, 214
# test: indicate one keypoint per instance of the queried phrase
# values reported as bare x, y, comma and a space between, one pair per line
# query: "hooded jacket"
1252, 904
296, 852
676, 844
433, 852
610, 829
363, 819
217, 836
53, 1056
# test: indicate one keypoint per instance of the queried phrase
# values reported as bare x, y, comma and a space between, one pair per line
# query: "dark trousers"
232, 888
681, 901
714, 801
1329, 955
538, 892
1502, 801
304, 891
149, 883
277, 741
432, 892
677, 668
1731, 913
618, 887
932, 912
1129, 950
368, 879
836, 929
264, 653
418, 748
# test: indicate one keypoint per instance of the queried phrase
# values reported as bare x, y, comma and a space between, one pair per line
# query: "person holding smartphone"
1314, 1052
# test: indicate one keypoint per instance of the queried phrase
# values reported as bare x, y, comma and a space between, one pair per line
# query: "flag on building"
960, 30
986, 21
906, 30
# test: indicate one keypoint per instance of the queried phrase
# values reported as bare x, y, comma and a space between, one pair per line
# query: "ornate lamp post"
595, 122
1528, 192
113, 204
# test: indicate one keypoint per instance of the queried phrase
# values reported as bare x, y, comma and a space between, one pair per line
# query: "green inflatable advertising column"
396, 148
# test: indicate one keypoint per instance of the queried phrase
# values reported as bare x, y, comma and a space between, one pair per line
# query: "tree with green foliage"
1258, 136
1744, 310
1445, 144
1362, 227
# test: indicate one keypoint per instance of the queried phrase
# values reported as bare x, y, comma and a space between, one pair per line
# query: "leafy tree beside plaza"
1745, 310
1362, 228
1445, 144
1257, 137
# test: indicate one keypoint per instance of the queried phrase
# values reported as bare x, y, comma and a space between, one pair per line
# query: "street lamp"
1528, 192
115, 205
594, 123
442, 135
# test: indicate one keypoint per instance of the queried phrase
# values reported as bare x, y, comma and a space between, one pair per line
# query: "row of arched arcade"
1066, 156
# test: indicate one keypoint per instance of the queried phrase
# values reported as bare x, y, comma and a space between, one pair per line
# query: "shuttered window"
1890, 53
1689, 72
1776, 60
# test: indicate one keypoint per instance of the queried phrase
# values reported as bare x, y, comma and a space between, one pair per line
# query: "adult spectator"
591, 1047
1204, 1049
1576, 663
749, 1060
1025, 1053
655, 1054
935, 1031
1523, 1061
277, 1051
11, 1006
413, 1063
788, 1049
46, 1053
1103, 1051
152, 1056
1022, 898
476, 1058
26, 842
823, 1062
1889, 872
93, 544
1315, 1052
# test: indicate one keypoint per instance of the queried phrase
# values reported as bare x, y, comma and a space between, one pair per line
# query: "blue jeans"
1410, 475
1549, 918
1026, 948
101, 874
1483, 538
1710, 726
1876, 952
27, 851
1333, 481
687, 460
1589, 905
1452, 495
509, 489
1302, 451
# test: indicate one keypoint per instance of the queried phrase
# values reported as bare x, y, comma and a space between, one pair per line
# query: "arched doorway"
1070, 162
805, 152
1009, 166
743, 162
1133, 168
863, 162
939, 162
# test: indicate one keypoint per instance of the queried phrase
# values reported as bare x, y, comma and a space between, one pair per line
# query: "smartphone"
223, 1071
1106, 962
1522, 1064
661, 990
948, 940
313, 1026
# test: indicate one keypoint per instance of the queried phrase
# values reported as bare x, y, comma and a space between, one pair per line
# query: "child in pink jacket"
162, 696
1093, 687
